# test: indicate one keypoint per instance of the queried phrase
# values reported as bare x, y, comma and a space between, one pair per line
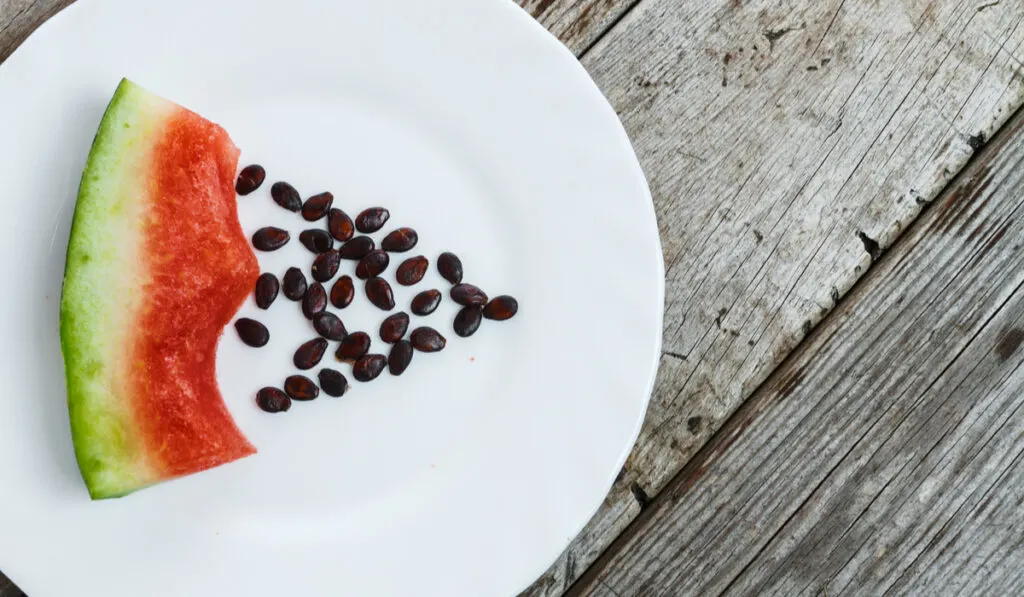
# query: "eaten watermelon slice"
157, 266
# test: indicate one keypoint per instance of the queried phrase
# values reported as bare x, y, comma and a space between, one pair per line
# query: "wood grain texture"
578, 23
886, 457
787, 143
19, 18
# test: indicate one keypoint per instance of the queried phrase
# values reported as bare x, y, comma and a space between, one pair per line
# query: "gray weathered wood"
18, 18
578, 23
887, 455
786, 142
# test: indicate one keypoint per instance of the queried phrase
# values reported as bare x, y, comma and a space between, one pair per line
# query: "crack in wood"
870, 245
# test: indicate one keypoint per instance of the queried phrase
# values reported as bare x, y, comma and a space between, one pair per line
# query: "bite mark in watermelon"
157, 266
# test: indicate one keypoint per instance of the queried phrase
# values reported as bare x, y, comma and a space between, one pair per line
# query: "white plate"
467, 475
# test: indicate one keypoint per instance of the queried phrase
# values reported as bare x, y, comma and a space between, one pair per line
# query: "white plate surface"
467, 475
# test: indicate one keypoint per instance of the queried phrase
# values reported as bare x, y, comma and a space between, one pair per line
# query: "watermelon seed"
294, 284
379, 292
317, 241
286, 196
310, 353
426, 302
333, 382
400, 357
450, 267
467, 321
250, 179
373, 264
427, 339
468, 295
252, 332
357, 248
270, 238
317, 206
394, 327
412, 270
343, 292
353, 347
372, 219
315, 300
369, 367
325, 266
340, 225
400, 241
329, 326
267, 288
273, 400
501, 308
300, 387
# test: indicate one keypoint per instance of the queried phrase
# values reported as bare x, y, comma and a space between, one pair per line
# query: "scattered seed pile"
338, 242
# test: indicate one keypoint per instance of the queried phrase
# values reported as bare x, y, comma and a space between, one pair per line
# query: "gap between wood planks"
579, 24
589, 582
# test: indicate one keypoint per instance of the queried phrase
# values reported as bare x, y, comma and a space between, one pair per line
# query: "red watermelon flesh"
157, 266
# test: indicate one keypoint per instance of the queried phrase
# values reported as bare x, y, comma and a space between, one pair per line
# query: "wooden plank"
787, 144
578, 23
887, 455
18, 18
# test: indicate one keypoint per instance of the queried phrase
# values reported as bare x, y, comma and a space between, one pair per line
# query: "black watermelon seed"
252, 332
267, 288
294, 284
270, 238
315, 300
357, 248
372, 219
467, 321
316, 240
329, 325
286, 196
300, 387
340, 225
325, 266
427, 339
450, 267
309, 354
394, 327
352, 347
343, 292
400, 241
250, 179
317, 206
426, 302
333, 382
273, 400
400, 357
369, 367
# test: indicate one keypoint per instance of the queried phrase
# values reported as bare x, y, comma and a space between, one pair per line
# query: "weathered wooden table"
840, 191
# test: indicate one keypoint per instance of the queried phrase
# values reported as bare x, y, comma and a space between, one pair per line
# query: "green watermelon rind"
98, 297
